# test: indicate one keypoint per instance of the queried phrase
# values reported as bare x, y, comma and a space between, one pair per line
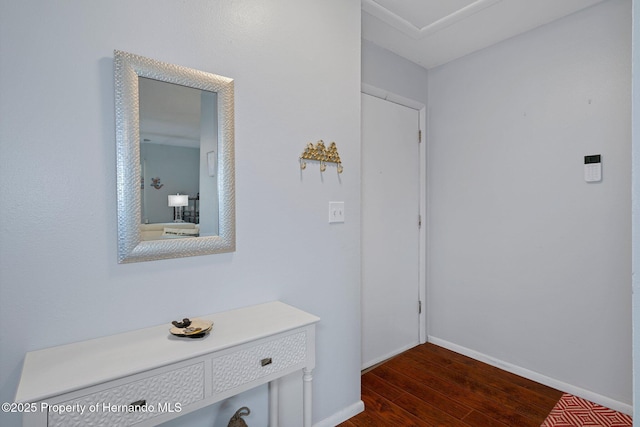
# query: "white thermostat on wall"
593, 168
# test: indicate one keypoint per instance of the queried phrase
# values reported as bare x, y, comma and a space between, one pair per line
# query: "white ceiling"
434, 32
169, 113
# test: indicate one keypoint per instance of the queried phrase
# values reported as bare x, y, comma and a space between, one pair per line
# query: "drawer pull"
265, 362
138, 404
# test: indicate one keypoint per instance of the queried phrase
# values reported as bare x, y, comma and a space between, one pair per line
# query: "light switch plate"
336, 212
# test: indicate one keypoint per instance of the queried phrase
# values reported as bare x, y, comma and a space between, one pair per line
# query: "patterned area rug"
572, 411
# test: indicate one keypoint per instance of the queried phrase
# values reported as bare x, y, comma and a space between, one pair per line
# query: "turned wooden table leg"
273, 403
307, 378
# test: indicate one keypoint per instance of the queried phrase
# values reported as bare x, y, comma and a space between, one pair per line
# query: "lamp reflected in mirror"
178, 202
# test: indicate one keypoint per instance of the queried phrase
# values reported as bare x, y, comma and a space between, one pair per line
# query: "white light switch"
336, 212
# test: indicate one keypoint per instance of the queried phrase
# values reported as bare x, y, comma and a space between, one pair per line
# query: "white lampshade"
176, 200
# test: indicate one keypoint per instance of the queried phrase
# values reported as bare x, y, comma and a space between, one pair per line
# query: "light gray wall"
387, 71
636, 205
528, 264
296, 66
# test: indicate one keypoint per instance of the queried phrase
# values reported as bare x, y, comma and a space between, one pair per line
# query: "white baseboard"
342, 416
534, 376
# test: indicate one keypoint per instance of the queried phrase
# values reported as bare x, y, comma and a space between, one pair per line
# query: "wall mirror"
175, 142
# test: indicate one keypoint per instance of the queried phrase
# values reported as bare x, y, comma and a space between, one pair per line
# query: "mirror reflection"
178, 145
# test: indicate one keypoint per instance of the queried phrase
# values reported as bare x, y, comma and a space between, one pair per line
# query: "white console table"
146, 377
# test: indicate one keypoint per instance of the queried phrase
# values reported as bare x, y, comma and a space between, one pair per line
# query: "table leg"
307, 378
273, 403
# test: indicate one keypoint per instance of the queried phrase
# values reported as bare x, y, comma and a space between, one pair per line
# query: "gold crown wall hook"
321, 153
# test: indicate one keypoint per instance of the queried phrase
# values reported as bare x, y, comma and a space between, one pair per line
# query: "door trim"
422, 245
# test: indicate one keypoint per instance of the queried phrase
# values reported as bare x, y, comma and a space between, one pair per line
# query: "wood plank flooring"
432, 386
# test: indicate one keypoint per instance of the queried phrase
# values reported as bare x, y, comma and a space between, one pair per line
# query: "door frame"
422, 150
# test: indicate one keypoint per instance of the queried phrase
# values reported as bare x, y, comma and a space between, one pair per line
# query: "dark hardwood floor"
432, 386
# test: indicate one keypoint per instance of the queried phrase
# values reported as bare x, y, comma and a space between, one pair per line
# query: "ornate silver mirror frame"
131, 247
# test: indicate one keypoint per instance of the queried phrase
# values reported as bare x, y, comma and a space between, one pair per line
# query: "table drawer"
162, 393
244, 366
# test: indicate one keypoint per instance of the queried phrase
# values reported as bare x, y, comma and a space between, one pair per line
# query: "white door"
390, 229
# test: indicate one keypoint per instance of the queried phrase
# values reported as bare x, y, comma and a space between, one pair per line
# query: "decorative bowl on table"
191, 328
